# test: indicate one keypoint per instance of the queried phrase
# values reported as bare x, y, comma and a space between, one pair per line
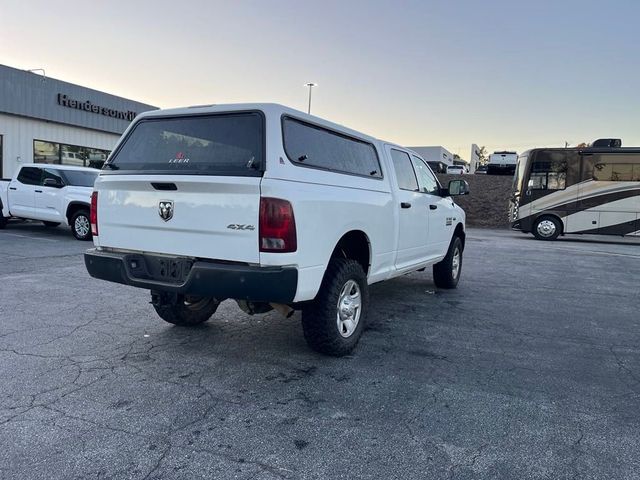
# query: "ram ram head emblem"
165, 210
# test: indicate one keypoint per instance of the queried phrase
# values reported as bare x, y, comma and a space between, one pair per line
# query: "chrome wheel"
456, 260
349, 308
546, 228
82, 226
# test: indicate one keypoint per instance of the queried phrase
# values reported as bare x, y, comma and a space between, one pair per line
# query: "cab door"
413, 221
48, 198
440, 211
22, 191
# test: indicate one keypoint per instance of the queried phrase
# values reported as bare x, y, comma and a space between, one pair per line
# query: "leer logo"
179, 158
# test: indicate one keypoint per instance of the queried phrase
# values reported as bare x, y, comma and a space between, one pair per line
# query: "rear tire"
81, 225
334, 321
188, 311
51, 224
3, 221
547, 228
446, 274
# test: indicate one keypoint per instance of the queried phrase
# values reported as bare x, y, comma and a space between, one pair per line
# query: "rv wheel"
547, 228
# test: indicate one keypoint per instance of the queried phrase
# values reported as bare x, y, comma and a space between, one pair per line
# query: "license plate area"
174, 270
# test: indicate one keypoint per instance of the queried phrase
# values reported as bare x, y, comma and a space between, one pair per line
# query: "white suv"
273, 208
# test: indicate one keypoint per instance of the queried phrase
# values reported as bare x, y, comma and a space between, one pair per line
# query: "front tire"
334, 321
547, 228
51, 224
3, 221
188, 311
446, 273
81, 225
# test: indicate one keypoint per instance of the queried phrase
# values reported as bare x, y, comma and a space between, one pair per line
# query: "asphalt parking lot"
531, 369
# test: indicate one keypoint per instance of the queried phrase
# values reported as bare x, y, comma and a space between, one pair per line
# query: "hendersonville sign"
88, 106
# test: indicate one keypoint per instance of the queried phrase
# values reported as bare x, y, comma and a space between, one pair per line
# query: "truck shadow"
400, 309
38, 229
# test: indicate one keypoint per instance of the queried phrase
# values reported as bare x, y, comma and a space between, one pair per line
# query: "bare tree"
483, 156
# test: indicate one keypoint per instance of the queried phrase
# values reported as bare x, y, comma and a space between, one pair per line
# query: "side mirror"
458, 187
52, 182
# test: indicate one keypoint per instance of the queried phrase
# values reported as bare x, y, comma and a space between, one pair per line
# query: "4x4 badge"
235, 226
165, 210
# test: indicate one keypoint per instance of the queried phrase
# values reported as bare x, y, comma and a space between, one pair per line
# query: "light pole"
310, 85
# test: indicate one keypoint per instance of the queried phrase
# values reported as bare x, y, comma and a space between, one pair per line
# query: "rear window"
30, 175
316, 147
79, 178
222, 144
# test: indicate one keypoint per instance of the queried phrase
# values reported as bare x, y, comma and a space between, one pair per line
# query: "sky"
504, 74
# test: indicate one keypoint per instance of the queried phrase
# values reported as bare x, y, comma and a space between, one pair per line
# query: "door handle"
433, 207
405, 205
38, 191
12, 188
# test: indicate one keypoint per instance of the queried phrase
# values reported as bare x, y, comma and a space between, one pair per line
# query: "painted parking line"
26, 236
596, 252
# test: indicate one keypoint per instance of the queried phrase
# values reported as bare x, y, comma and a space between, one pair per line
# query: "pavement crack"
623, 366
158, 463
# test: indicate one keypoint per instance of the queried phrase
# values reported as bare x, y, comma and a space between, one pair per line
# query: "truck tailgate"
203, 216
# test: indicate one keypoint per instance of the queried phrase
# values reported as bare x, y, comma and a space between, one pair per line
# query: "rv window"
548, 176
548, 172
615, 168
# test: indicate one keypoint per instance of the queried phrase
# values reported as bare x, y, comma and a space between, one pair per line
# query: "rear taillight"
93, 214
277, 226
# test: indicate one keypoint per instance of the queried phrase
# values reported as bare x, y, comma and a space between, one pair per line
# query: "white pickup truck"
53, 194
502, 163
273, 208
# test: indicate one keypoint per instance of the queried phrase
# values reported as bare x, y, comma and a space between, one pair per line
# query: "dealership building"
44, 120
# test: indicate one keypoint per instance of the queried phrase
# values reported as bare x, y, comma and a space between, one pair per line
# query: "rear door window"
30, 175
220, 144
79, 178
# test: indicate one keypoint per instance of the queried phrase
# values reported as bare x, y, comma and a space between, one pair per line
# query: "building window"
46, 152
60, 153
